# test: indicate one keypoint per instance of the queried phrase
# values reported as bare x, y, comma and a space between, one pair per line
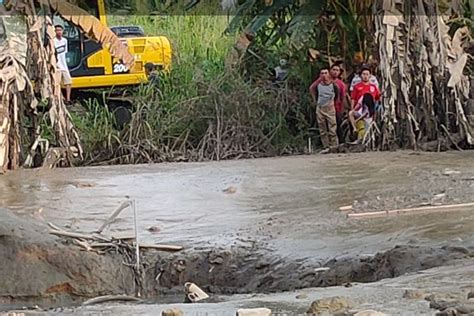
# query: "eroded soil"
255, 226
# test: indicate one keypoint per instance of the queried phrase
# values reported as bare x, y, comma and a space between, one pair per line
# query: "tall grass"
203, 110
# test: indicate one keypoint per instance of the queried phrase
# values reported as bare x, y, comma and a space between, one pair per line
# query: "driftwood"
347, 208
101, 241
63, 233
426, 209
110, 298
113, 216
137, 244
169, 248
126, 245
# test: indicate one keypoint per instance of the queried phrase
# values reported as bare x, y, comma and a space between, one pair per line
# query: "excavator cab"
92, 66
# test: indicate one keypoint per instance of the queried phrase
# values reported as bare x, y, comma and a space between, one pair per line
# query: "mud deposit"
41, 269
261, 226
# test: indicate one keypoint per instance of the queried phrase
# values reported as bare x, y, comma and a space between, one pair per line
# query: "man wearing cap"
60, 43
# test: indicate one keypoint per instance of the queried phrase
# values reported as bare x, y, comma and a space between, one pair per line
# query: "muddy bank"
39, 269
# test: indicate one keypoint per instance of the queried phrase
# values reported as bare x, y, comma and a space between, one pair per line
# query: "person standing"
358, 79
324, 95
61, 45
363, 87
336, 73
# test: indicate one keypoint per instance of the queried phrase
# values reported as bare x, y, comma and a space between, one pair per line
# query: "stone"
194, 293
153, 229
370, 312
230, 190
172, 312
254, 312
329, 305
414, 294
470, 295
465, 308
301, 296
448, 312
447, 297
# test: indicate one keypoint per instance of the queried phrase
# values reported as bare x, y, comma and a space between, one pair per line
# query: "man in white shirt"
60, 43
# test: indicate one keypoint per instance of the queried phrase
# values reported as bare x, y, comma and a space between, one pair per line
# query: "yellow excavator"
92, 66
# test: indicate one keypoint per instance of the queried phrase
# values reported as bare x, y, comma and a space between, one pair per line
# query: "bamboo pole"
427, 209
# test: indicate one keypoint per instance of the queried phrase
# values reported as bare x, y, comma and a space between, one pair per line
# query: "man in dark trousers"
325, 94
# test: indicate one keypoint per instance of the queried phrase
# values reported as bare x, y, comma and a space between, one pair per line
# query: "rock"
172, 312
230, 190
445, 297
80, 185
414, 294
301, 296
329, 305
448, 312
470, 295
465, 308
370, 312
153, 229
194, 293
253, 312
442, 305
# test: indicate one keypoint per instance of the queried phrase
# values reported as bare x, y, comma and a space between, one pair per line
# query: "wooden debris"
107, 241
63, 233
83, 244
426, 209
114, 215
109, 298
137, 244
169, 248
126, 245
253, 312
347, 208
322, 269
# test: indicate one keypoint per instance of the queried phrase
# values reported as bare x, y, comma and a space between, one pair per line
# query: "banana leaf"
301, 27
260, 20
14, 27
236, 21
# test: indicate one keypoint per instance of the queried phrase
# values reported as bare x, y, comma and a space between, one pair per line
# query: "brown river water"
286, 205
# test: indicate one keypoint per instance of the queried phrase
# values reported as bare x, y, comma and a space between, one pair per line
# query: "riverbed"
287, 207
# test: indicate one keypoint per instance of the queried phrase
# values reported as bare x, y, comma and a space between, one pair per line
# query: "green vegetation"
205, 109
218, 105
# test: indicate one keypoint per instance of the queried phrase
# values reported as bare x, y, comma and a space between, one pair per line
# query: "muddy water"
287, 205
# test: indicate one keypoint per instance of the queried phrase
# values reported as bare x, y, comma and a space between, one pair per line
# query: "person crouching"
362, 116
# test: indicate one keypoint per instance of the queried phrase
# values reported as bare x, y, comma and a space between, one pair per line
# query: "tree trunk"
425, 91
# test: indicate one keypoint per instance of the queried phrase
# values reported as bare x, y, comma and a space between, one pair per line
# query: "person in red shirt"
364, 87
335, 72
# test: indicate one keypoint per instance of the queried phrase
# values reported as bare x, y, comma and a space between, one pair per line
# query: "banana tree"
421, 47
29, 75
